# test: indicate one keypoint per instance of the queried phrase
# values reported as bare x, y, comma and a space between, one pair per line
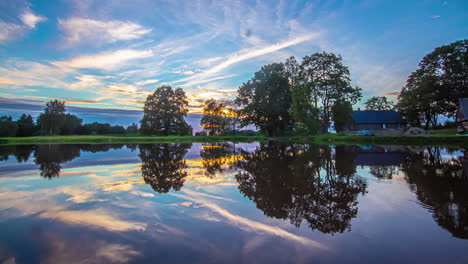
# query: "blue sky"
112, 54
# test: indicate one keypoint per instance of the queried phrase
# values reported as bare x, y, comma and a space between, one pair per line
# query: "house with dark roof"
462, 113
376, 120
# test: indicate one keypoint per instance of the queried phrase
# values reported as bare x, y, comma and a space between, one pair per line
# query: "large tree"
324, 78
52, 119
164, 113
434, 88
378, 103
266, 100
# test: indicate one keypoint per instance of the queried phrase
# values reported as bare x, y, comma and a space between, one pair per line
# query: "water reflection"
163, 165
216, 156
313, 184
302, 182
441, 184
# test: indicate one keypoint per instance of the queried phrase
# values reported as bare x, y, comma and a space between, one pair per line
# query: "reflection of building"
376, 120
377, 155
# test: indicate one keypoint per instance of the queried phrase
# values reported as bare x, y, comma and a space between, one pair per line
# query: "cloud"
392, 94
436, 16
88, 82
9, 31
146, 82
81, 29
97, 218
30, 19
251, 225
67, 100
223, 91
105, 60
242, 56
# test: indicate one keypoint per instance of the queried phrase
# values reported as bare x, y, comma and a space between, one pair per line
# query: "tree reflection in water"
442, 185
163, 165
20, 152
50, 157
216, 156
302, 182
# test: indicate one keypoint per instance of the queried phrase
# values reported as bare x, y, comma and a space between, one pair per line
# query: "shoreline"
434, 140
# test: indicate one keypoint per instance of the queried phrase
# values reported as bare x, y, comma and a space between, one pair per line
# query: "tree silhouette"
163, 165
301, 182
164, 113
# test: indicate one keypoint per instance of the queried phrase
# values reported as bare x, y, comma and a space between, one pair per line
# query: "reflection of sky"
99, 211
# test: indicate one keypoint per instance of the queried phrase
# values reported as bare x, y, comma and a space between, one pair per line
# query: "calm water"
233, 203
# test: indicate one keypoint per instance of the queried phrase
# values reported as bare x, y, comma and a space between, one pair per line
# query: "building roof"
377, 117
462, 112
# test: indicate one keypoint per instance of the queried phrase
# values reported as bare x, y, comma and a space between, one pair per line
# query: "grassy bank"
434, 140
441, 138
121, 139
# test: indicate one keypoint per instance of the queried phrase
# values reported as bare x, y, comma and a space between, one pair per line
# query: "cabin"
462, 113
376, 120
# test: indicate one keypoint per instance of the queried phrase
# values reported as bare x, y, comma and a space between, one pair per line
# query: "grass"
445, 137
121, 139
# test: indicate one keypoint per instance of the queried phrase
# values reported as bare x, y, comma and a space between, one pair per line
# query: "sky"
110, 54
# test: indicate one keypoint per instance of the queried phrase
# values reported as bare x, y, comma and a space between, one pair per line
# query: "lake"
265, 202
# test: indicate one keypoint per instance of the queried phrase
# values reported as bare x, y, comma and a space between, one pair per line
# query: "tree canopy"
266, 100
322, 81
164, 113
53, 118
434, 88
378, 103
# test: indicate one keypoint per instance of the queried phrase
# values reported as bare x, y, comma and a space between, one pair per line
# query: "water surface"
233, 203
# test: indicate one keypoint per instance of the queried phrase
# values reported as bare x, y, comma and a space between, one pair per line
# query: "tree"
266, 101
52, 119
164, 113
434, 88
8, 127
132, 129
342, 115
326, 79
379, 103
72, 125
215, 120
25, 126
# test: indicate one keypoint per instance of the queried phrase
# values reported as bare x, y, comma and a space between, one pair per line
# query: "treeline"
289, 98
55, 121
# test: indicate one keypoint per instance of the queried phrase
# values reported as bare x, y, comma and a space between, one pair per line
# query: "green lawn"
116, 139
439, 138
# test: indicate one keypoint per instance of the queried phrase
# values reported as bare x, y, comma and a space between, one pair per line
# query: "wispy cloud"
9, 31
146, 82
105, 60
82, 29
242, 56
